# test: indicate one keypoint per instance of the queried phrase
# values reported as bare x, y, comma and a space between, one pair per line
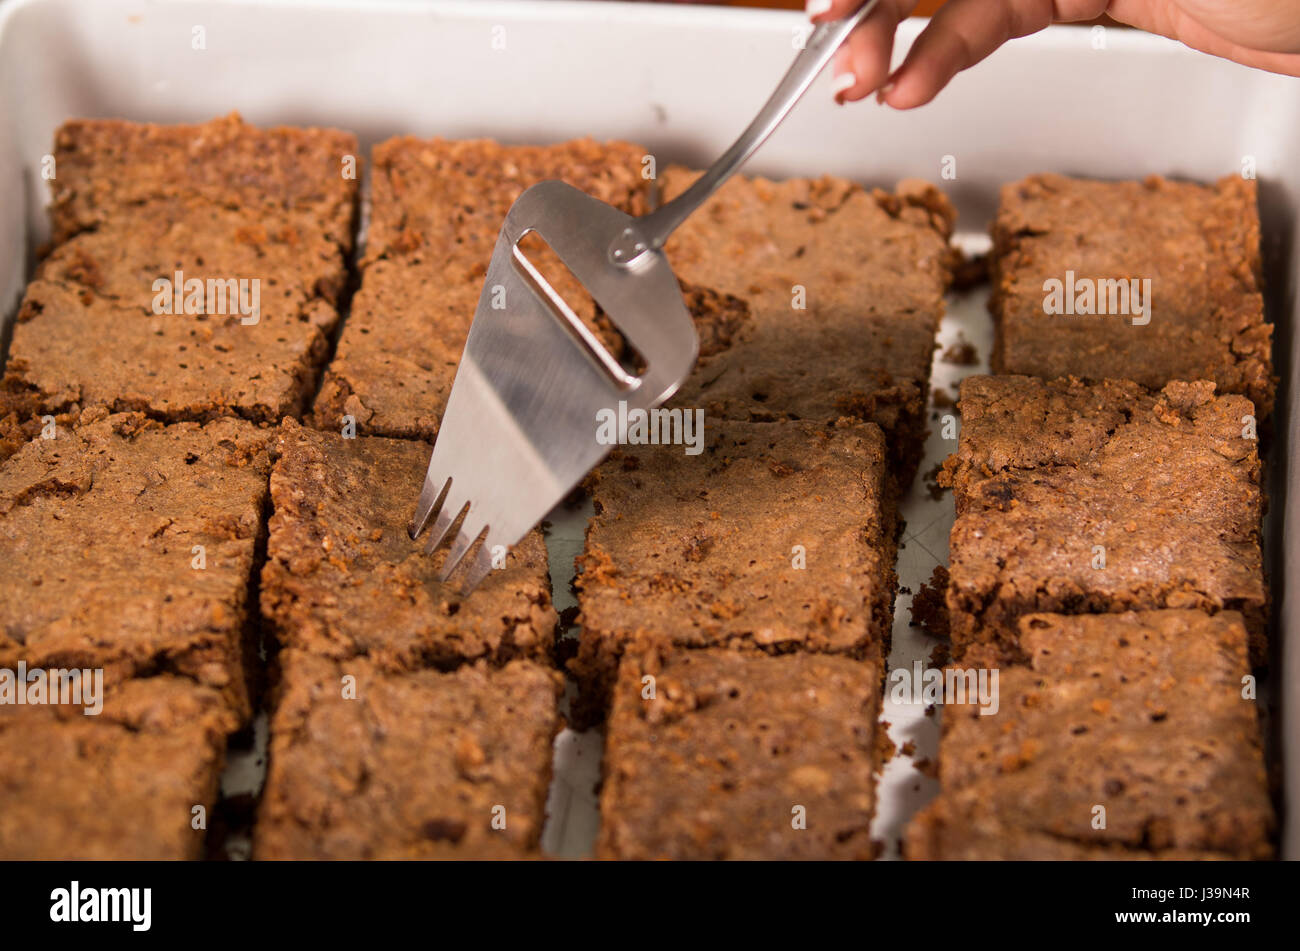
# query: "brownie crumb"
961, 354
929, 609
931, 480
566, 648
968, 272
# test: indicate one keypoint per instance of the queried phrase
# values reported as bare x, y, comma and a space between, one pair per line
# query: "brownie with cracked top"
1198, 245
370, 764
343, 578
123, 784
1082, 498
1126, 736
197, 272
777, 537
844, 291
131, 546
717, 754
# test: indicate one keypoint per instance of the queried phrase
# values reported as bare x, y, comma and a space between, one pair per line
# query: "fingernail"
882, 92
818, 7
843, 83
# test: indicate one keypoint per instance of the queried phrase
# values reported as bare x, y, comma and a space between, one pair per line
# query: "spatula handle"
650, 232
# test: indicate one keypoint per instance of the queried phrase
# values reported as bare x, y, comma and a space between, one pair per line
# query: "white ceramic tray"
683, 81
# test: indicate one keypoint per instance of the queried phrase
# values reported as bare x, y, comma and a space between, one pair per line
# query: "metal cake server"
519, 431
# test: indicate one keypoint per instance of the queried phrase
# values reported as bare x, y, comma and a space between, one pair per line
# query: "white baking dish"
683, 80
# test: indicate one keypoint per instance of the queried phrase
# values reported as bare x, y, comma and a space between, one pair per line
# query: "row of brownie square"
133, 546
857, 277
735, 610
129, 549
1096, 501
752, 587
1122, 736
407, 720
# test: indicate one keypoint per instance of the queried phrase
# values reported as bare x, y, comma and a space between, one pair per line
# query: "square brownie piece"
131, 546
190, 294
1078, 498
869, 269
777, 536
1141, 714
368, 764
1197, 244
121, 784
343, 579
436, 211
718, 754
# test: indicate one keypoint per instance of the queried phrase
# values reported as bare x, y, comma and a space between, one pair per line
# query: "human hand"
1260, 33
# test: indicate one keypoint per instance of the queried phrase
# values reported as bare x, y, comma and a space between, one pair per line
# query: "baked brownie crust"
98, 534
1080, 499
108, 169
418, 765
343, 578
436, 211
440, 199
874, 267
734, 750
120, 785
706, 550
1198, 245
1141, 713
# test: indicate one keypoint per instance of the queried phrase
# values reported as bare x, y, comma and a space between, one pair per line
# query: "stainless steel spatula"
519, 431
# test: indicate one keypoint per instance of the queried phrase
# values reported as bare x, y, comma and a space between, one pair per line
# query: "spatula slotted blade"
520, 428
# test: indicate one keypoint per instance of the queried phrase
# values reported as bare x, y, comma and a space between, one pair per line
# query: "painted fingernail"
883, 91
818, 7
843, 83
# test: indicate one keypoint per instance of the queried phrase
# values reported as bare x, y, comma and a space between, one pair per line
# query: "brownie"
706, 550
436, 210
1197, 244
1141, 713
717, 754
120, 785
98, 534
874, 267
343, 579
108, 168
1083, 498
96, 329
410, 765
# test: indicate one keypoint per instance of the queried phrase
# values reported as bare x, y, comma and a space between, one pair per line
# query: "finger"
862, 63
961, 34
